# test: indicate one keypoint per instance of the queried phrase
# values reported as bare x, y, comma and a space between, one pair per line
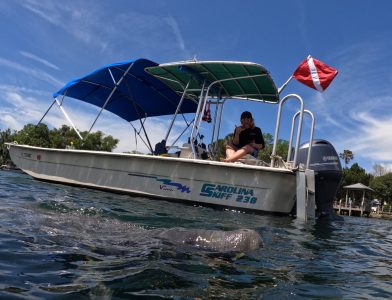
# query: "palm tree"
347, 155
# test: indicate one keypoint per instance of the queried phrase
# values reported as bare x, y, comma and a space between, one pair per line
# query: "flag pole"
284, 85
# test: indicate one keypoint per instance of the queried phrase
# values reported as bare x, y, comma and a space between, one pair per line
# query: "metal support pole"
54, 101
68, 118
177, 110
111, 93
214, 123
145, 134
284, 85
195, 124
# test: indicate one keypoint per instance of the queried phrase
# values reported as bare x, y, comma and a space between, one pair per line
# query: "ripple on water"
73, 243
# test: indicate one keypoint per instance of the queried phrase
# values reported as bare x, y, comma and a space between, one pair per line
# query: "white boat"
135, 90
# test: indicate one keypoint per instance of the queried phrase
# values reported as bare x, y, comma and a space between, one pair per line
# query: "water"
61, 242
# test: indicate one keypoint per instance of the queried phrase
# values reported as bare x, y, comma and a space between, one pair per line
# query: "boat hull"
236, 186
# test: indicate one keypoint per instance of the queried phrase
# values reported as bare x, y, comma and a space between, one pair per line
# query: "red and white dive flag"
315, 74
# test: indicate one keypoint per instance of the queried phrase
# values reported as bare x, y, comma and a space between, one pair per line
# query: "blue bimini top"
127, 90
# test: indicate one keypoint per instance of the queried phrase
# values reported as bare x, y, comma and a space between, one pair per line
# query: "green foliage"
61, 138
96, 141
5, 137
382, 186
352, 175
282, 148
221, 146
34, 135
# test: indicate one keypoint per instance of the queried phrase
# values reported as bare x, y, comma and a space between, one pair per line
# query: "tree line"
380, 180
60, 138
40, 135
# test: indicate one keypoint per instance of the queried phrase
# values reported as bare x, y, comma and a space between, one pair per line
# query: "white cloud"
10, 120
77, 21
174, 25
33, 72
372, 138
41, 9
139, 32
40, 60
19, 111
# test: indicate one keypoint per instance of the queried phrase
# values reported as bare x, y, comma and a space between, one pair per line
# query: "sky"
46, 43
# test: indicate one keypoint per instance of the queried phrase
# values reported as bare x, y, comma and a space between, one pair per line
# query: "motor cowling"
325, 162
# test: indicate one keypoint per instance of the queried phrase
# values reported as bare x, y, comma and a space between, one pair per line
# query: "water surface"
61, 242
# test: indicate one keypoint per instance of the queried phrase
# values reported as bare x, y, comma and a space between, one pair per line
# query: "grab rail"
301, 111
310, 137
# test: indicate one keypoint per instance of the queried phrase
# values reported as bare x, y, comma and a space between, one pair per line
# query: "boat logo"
39, 157
220, 191
167, 184
165, 188
332, 157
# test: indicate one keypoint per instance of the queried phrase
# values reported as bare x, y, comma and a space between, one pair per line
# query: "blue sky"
47, 43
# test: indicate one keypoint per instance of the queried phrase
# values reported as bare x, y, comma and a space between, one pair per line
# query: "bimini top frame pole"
116, 85
177, 110
196, 124
64, 113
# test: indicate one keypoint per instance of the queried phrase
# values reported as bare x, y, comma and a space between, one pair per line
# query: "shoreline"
384, 216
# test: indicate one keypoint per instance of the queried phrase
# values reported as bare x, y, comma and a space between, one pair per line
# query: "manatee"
215, 240
108, 236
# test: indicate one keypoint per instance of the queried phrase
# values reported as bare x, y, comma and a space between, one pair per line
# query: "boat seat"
186, 151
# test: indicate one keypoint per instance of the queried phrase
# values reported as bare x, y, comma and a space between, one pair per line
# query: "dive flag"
315, 74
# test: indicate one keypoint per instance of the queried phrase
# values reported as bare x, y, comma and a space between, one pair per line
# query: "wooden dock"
351, 210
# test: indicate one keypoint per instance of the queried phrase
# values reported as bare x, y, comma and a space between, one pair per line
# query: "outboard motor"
325, 162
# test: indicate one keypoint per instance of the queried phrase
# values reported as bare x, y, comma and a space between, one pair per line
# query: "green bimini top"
225, 79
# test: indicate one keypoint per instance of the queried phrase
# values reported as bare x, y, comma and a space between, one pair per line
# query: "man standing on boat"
247, 139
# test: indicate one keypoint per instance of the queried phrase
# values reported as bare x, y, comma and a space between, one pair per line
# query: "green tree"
96, 141
382, 186
5, 137
346, 156
282, 148
34, 135
62, 137
265, 153
352, 175
220, 145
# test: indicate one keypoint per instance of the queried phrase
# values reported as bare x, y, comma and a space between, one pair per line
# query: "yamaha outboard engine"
328, 173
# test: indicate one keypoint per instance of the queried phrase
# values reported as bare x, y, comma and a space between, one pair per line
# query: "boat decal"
166, 182
220, 191
26, 155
